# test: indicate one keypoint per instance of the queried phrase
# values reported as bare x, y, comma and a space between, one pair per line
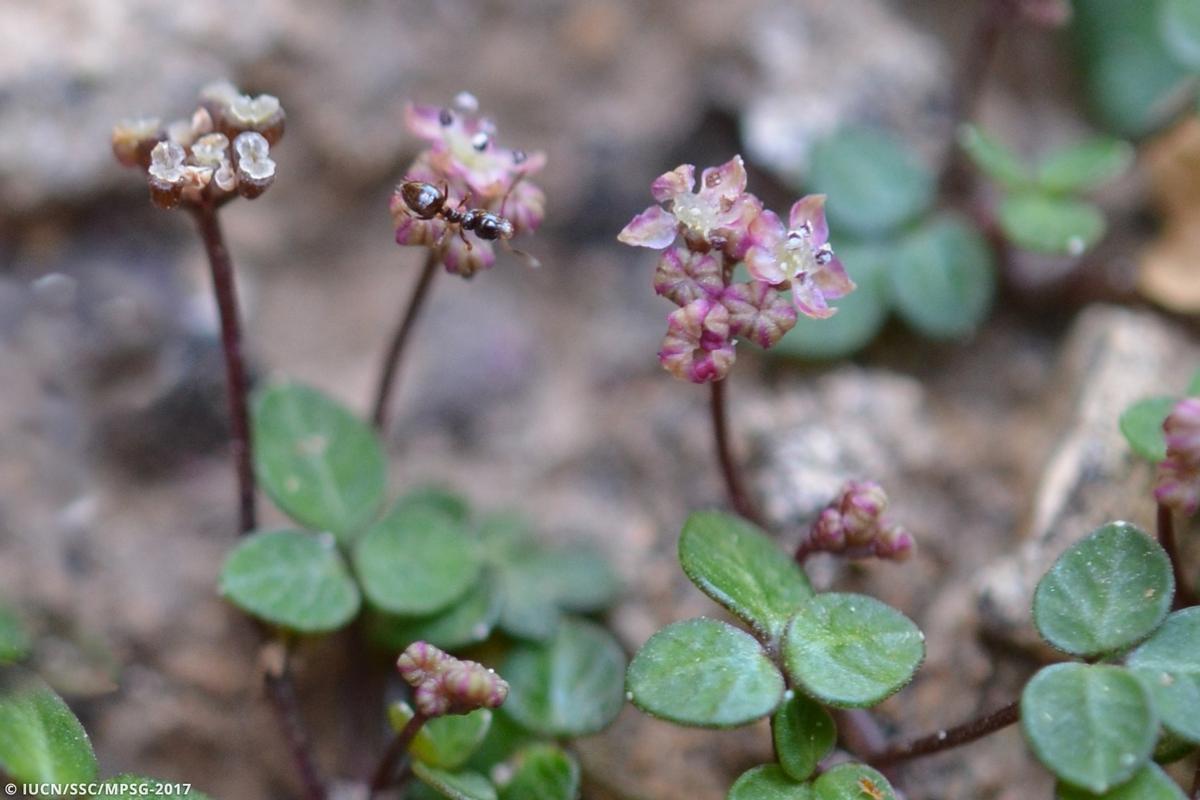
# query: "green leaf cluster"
933, 269
1041, 209
1096, 725
833, 649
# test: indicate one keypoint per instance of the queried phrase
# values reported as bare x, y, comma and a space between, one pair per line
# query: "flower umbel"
854, 526
443, 684
705, 234
464, 191
1178, 482
191, 162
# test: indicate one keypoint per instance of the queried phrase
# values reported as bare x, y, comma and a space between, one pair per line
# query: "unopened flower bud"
861, 506
683, 276
471, 685
895, 543
134, 139
757, 312
697, 346
443, 684
255, 169
1182, 430
1178, 481
827, 533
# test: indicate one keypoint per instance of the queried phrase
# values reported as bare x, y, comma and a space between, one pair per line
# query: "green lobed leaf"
850, 650
1133, 83
542, 772
1150, 783
1168, 664
704, 673
1142, 423
416, 562
993, 158
1179, 23
1091, 725
570, 685
1084, 166
322, 465
543, 582
469, 620
852, 782
943, 279
502, 742
743, 569
293, 579
455, 785
1046, 224
768, 782
804, 734
874, 183
1106, 592
136, 787
444, 742
41, 741
15, 643
506, 537
860, 314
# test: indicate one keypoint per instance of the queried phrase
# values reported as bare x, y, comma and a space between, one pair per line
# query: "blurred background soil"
536, 389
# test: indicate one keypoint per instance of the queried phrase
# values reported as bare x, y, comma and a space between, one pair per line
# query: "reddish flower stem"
225, 292
1184, 594
734, 487
395, 751
279, 687
395, 351
949, 739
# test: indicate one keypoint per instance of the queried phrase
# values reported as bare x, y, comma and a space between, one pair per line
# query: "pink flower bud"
421, 661
1182, 430
1177, 485
895, 543
827, 533
862, 503
443, 684
757, 312
697, 346
683, 276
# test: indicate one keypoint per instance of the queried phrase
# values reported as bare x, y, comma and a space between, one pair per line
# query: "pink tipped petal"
833, 281
681, 180
654, 228
763, 266
424, 121
808, 299
727, 180
810, 210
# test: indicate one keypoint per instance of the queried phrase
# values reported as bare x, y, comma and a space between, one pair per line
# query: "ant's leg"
462, 234
511, 186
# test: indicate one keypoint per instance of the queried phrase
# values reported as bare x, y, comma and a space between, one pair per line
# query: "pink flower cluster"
443, 684
224, 150
1178, 481
705, 234
853, 526
465, 162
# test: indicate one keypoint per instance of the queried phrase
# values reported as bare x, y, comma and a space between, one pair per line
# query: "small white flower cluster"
224, 149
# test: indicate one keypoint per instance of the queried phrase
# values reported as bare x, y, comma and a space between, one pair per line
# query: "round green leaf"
542, 772
852, 782
1047, 224
321, 464
873, 182
415, 562
768, 782
1150, 783
444, 742
1179, 21
569, 685
466, 622
15, 643
743, 569
579, 577
41, 741
136, 787
1169, 665
293, 579
704, 673
1142, 423
455, 785
1104, 593
1133, 83
1091, 725
850, 650
993, 158
860, 314
804, 734
943, 279
1084, 166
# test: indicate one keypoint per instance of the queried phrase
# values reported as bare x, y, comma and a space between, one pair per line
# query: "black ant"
427, 201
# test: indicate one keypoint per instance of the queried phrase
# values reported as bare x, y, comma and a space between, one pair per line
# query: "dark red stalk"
395, 751
739, 498
949, 739
395, 352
